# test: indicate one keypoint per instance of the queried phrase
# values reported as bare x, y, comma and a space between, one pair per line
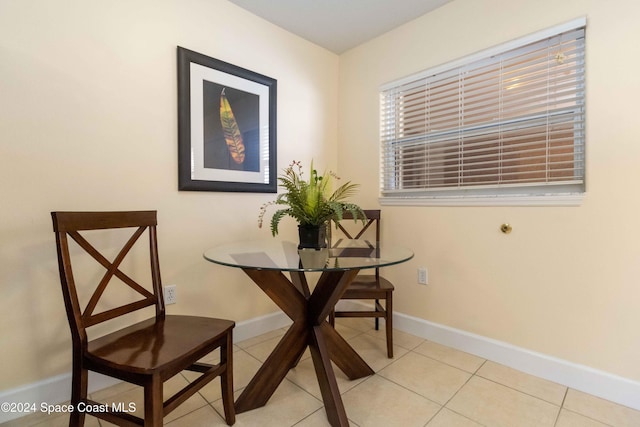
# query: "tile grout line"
589, 418
476, 374
518, 391
306, 417
473, 374
566, 391
359, 334
418, 394
449, 364
412, 350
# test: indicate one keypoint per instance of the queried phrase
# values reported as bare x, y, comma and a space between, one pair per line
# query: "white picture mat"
198, 75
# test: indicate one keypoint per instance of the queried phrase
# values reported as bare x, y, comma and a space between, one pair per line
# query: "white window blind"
508, 123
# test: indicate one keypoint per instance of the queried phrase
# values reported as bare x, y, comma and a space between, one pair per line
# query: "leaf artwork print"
232, 134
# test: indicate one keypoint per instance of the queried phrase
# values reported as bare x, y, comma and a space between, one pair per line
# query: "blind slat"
515, 117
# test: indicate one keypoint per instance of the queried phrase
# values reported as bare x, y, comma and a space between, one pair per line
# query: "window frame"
537, 194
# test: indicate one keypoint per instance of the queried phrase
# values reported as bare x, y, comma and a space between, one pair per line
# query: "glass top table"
265, 262
278, 255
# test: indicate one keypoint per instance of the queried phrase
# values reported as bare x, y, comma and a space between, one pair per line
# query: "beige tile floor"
425, 384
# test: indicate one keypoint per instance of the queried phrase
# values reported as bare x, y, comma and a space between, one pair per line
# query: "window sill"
569, 199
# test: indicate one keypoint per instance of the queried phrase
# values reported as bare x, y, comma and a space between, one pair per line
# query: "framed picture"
226, 126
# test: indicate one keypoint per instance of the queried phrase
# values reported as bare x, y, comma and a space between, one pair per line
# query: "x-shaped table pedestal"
309, 312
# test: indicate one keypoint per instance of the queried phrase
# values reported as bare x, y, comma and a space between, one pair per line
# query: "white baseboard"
259, 325
579, 377
592, 381
52, 391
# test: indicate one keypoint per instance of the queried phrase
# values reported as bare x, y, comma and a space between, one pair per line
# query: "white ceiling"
339, 25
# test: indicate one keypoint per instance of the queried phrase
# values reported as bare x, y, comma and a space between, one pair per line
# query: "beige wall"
88, 121
566, 282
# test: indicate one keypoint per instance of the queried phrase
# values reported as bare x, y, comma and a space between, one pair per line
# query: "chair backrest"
71, 224
373, 219
368, 230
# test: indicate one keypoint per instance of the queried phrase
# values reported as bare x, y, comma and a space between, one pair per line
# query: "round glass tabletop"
273, 254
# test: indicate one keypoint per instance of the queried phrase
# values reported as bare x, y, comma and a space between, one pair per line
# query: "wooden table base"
309, 312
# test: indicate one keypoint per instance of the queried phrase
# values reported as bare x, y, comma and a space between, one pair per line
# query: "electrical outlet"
423, 276
170, 294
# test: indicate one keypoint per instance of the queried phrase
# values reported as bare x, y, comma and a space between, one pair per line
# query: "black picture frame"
226, 126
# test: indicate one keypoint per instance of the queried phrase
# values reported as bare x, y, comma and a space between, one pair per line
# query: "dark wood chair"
366, 286
147, 353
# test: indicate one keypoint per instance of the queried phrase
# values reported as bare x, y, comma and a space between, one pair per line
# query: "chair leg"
376, 319
79, 383
226, 381
153, 402
388, 320
332, 318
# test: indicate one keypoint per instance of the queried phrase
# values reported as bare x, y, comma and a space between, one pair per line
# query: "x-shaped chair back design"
86, 317
146, 353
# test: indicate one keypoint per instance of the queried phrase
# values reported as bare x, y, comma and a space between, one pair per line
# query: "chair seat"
364, 286
151, 346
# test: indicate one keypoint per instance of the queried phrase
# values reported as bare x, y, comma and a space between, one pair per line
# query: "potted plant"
311, 203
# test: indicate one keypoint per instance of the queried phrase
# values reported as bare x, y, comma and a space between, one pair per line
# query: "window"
504, 125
